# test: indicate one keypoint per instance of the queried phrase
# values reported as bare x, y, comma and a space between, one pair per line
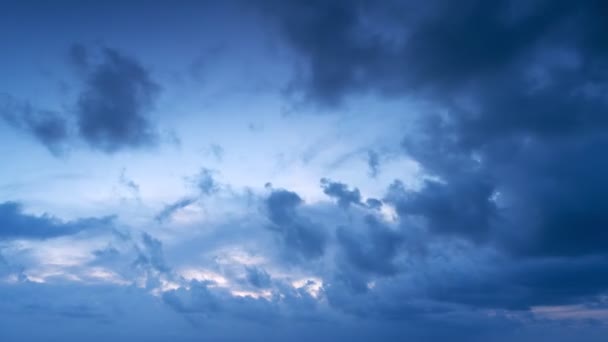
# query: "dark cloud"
463, 207
301, 237
512, 139
111, 113
325, 34
374, 251
48, 127
341, 193
113, 108
400, 46
521, 285
19, 225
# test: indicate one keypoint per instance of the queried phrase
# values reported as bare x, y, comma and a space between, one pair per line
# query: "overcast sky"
266, 170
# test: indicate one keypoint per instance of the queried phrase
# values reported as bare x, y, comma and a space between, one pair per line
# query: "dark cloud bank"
514, 132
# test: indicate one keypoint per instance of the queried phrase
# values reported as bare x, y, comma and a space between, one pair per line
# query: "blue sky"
303, 170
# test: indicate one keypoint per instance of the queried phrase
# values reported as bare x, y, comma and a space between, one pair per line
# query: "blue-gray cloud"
50, 128
301, 237
341, 193
172, 208
509, 214
15, 224
373, 162
258, 277
113, 107
514, 137
205, 185
373, 251
112, 111
205, 182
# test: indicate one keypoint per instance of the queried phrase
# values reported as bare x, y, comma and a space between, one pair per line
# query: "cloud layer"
438, 174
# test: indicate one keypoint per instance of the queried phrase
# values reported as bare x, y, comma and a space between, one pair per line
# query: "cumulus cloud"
374, 251
465, 209
302, 237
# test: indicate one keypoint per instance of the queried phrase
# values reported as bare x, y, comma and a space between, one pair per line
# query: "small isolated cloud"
205, 182
112, 112
373, 162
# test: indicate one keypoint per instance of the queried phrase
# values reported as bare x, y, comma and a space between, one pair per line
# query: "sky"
266, 170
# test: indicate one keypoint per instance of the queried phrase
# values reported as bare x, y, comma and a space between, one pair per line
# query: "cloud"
400, 47
204, 184
19, 225
374, 251
217, 151
258, 277
527, 283
509, 214
113, 107
48, 127
341, 192
172, 208
511, 131
152, 254
462, 209
302, 237
129, 183
112, 112
373, 162
373, 203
